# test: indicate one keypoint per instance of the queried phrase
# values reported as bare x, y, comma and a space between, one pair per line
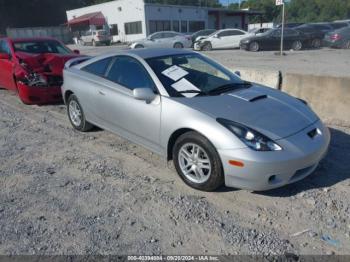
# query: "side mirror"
76, 52
5, 56
145, 94
238, 73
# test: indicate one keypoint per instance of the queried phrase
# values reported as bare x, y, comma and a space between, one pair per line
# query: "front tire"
297, 45
139, 46
316, 43
197, 162
254, 47
178, 46
347, 45
207, 47
76, 115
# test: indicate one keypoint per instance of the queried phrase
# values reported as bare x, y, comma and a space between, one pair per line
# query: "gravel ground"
64, 192
315, 62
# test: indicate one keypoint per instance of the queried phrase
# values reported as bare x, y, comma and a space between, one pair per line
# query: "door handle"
101, 93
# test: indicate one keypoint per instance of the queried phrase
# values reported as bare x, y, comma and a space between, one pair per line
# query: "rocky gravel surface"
65, 192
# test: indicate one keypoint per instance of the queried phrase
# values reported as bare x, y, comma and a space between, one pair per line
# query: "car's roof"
146, 53
28, 39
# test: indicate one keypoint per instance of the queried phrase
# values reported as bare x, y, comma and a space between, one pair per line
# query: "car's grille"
54, 80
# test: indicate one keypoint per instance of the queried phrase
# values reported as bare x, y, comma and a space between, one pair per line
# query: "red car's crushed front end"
39, 77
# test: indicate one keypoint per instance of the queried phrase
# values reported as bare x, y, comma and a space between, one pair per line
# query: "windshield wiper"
192, 92
229, 87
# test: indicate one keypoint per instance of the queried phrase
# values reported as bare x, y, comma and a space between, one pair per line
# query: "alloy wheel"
75, 113
194, 163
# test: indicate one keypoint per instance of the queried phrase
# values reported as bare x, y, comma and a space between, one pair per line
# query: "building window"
184, 27
195, 26
159, 25
133, 28
176, 26
114, 29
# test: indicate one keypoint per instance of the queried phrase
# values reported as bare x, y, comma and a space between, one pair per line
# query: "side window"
4, 47
129, 73
222, 34
236, 32
168, 35
98, 68
157, 36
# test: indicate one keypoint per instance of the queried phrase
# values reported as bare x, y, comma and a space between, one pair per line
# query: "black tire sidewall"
254, 43
178, 45
84, 125
216, 178
295, 43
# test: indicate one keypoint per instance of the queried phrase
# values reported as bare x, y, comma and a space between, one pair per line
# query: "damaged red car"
33, 67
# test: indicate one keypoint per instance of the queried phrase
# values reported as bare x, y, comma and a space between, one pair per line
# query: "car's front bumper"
197, 46
267, 170
39, 95
244, 46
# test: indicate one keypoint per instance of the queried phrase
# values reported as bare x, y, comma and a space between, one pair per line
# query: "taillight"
336, 37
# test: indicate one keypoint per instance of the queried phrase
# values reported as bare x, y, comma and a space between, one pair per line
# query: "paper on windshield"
175, 72
185, 85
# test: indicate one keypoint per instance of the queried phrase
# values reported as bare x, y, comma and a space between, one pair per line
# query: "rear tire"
76, 115
207, 47
197, 162
316, 43
297, 45
254, 47
178, 45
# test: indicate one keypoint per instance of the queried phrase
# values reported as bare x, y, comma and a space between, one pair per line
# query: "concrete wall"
328, 96
265, 77
59, 32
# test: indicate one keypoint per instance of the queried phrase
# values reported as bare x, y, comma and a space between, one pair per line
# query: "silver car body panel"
269, 111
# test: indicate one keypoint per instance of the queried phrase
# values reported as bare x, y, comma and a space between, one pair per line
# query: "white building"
129, 20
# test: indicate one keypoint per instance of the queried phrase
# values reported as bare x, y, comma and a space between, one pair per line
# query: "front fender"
176, 116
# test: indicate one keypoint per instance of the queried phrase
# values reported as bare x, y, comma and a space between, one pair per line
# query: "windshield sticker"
175, 72
185, 85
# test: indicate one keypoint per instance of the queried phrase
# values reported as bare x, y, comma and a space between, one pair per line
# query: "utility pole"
282, 33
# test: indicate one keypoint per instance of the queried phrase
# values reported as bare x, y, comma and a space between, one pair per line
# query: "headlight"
250, 137
34, 79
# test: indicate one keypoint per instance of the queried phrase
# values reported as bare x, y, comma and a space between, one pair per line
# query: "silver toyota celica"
217, 128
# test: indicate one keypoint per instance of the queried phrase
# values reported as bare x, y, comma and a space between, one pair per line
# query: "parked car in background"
338, 25
343, 21
290, 25
313, 33
164, 39
215, 127
32, 67
256, 31
271, 40
339, 38
222, 39
202, 34
96, 37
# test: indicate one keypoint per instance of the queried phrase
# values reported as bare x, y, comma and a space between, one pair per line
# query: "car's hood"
271, 112
53, 63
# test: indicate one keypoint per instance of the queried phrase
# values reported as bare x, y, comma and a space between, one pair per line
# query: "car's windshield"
40, 47
192, 74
